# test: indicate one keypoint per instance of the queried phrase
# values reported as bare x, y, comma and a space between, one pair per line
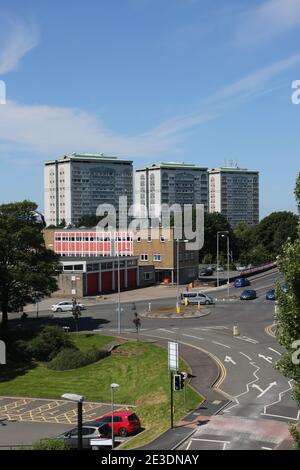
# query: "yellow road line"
222, 369
269, 330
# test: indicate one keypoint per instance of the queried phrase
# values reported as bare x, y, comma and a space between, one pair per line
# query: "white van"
196, 297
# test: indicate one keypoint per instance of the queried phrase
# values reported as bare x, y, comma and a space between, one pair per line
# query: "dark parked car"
241, 282
248, 294
271, 294
90, 430
206, 272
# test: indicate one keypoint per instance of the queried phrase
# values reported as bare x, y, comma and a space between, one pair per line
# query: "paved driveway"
48, 411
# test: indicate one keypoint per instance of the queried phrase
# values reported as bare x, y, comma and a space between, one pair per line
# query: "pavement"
48, 410
145, 294
236, 374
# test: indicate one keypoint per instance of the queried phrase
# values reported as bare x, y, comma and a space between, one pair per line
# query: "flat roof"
227, 169
93, 259
87, 157
172, 166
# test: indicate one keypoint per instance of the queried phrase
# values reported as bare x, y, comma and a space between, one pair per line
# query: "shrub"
74, 359
50, 444
19, 351
49, 343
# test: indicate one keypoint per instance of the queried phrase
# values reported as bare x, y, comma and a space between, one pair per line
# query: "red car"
125, 422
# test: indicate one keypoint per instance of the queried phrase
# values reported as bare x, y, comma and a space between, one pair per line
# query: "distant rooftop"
172, 166
231, 169
88, 157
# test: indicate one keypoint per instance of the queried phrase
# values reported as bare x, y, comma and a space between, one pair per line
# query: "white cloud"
17, 39
43, 131
271, 18
47, 130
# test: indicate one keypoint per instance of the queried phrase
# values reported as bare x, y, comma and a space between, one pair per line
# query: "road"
260, 403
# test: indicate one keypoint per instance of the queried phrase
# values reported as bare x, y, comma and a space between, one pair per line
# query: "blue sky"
153, 80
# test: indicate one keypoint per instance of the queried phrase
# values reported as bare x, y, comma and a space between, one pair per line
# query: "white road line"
273, 384
190, 336
283, 417
227, 410
212, 328
245, 338
266, 358
266, 448
210, 440
168, 331
278, 401
274, 350
243, 354
221, 344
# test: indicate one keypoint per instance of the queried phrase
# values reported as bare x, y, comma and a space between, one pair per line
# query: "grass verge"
139, 368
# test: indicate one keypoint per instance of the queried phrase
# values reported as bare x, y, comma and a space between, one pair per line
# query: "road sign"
173, 356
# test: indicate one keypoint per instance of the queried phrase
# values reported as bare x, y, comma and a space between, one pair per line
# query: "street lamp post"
223, 233
79, 399
178, 271
112, 386
116, 251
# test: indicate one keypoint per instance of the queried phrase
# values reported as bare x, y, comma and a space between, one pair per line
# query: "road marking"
229, 359
278, 401
269, 330
266, 358
245, 338
247, 387
221, 344
190, 336
222, 376
266, 448
283, 417
264, 391
274, 350
168, 331
207, 440
243, 354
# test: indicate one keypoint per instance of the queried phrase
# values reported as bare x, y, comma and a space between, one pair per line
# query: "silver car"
195, 298
89, 431
65, 306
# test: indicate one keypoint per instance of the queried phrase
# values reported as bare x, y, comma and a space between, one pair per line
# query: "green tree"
89, 220
245, 238
26, 266
275, 229
288, 318
213, 223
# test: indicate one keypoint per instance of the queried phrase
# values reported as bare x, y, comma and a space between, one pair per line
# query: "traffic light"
177, 382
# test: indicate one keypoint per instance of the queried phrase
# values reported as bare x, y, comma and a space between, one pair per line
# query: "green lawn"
139, 368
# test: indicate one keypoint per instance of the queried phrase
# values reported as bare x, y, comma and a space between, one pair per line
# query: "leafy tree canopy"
27, 268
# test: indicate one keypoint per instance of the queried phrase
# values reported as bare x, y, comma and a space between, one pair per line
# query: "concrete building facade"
76, 184
158, 247
234, 192
170, 183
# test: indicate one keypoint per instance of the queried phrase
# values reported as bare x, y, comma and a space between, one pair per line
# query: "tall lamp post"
178, 271
113, 387
79, 400
116, 251
224, 233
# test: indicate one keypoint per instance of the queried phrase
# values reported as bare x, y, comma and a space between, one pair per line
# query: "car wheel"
59, 310
207, 302
123, 432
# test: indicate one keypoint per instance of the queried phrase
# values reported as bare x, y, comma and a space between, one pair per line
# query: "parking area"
40, 410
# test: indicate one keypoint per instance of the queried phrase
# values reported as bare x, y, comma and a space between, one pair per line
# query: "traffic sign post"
173, 367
